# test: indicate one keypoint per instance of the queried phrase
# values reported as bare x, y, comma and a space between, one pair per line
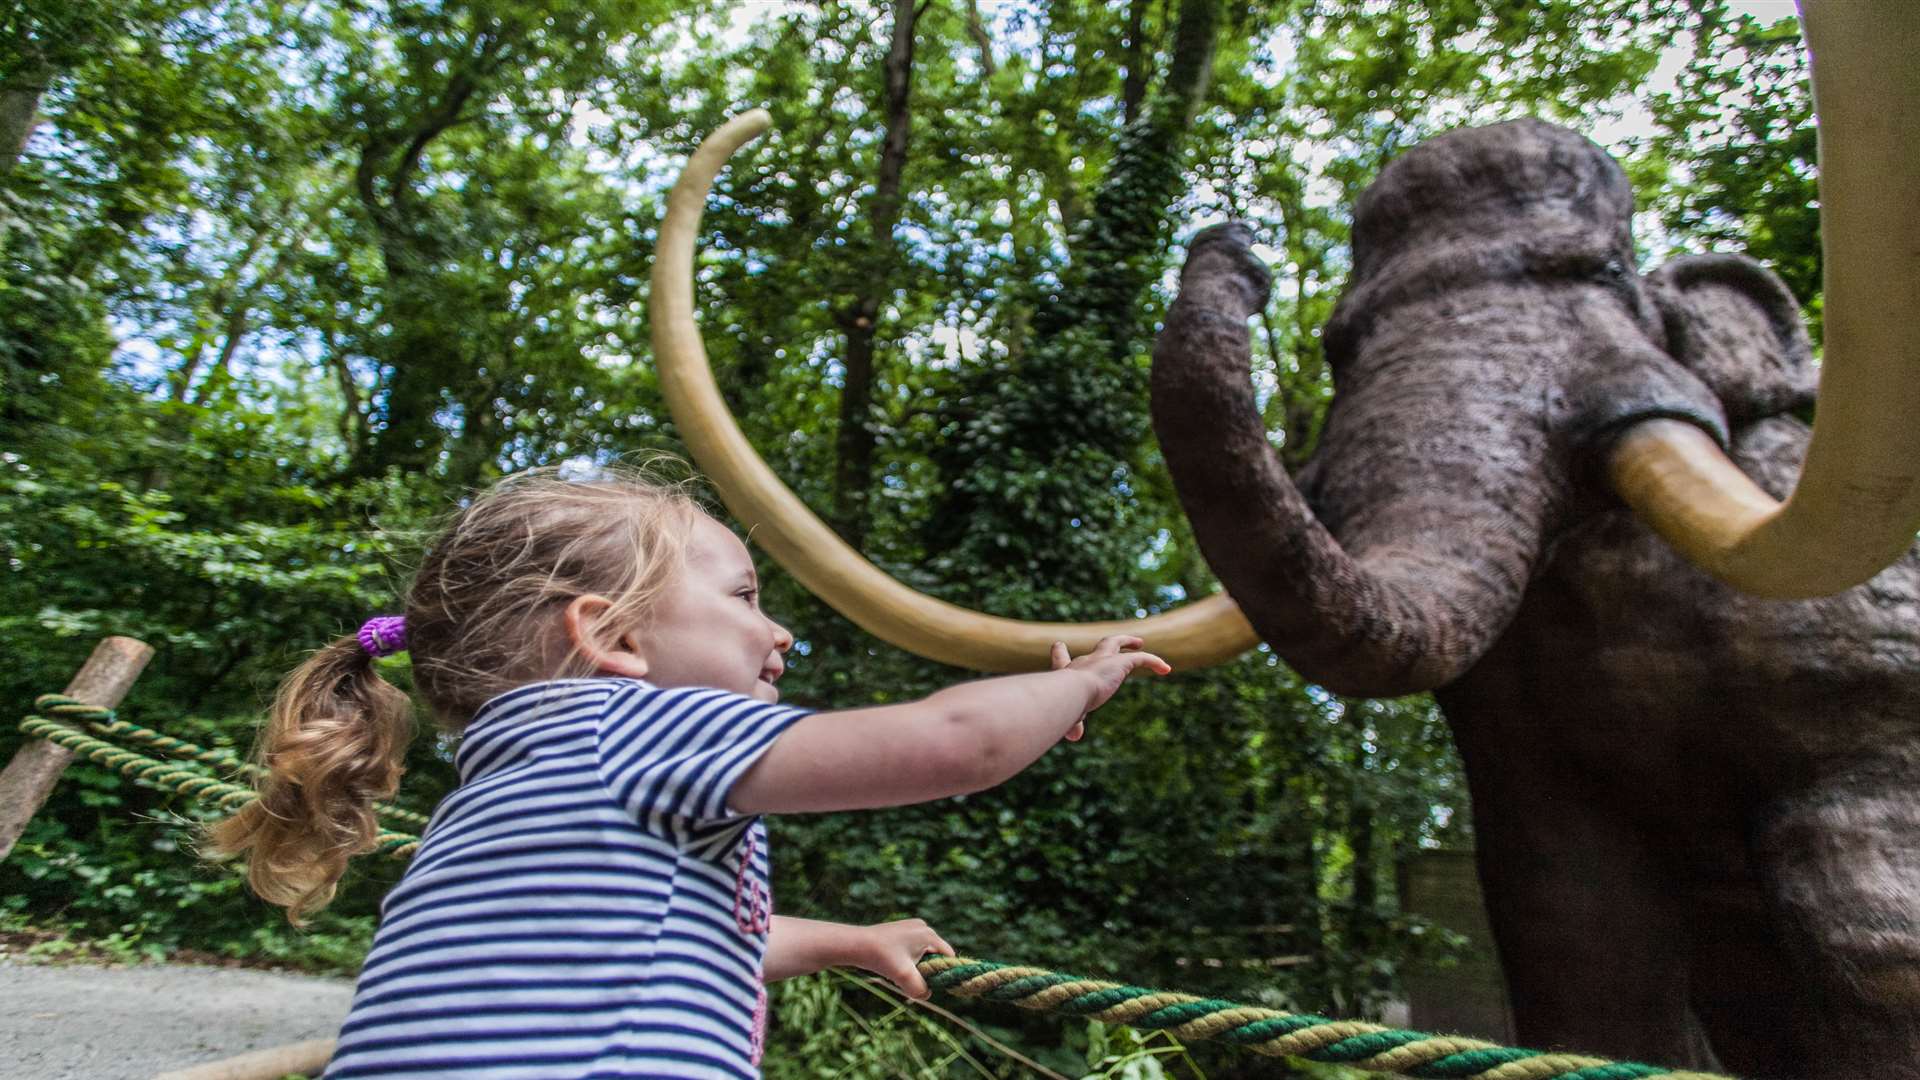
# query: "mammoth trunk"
1434, 504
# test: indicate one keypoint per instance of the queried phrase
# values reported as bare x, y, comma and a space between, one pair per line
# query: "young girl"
592, 899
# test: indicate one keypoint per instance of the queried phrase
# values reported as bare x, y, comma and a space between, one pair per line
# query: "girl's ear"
607, 651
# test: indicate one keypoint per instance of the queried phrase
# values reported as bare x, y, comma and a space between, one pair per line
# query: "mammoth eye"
1614, 270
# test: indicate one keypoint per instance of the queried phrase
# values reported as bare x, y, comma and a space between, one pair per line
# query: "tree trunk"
853, 470
424, 356
19, 116
424, 361
472, 452
235, 300
353, 418
977, 30
1316, 979
1113, 263
222, 370
1363, 923
1138, 60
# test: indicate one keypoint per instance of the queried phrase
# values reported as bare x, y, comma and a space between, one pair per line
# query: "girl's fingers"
1137, 660
913, 985
1076, 731
1061, 658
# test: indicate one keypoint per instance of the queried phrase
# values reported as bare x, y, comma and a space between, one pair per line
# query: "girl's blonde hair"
482, 617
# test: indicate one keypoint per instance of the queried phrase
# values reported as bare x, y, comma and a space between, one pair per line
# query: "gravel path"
73, 1022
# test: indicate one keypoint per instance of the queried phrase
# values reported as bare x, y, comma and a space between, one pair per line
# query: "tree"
1735, 160
1047, 439
41, 45
452, 132
853, 469
114, 218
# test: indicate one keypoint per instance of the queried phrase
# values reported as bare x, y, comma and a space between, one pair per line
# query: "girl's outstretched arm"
891, 950
962, 739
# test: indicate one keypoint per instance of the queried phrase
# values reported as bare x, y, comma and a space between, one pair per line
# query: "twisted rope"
103, 721
162, 774
1269, 1031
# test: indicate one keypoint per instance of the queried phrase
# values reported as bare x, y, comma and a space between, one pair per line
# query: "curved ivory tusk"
1856, 507
1205, 632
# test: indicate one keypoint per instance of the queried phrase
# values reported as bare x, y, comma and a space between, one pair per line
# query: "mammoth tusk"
1856, 507
1206, 632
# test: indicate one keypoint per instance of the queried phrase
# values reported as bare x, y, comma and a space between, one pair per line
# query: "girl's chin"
765, 690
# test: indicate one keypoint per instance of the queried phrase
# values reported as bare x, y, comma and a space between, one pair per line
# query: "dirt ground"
74, 1021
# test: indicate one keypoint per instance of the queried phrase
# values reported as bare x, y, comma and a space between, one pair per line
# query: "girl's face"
708, 629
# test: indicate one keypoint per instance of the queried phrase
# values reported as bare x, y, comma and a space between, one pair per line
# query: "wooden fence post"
29, 778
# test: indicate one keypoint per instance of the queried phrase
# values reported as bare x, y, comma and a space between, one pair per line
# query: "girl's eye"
749, 595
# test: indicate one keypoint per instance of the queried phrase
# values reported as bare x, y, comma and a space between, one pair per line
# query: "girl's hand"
1110, 662
893, 951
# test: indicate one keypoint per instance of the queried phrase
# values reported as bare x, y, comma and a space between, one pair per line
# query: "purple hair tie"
384, 635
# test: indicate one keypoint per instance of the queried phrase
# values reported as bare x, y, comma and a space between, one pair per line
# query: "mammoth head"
1529, 202
1503, 255
1518, 198
1493, 339
1493, 346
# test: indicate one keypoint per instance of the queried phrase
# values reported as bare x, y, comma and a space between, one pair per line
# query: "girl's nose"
782, 637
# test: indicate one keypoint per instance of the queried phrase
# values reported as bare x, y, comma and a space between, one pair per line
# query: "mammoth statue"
1697, 811
1547, 491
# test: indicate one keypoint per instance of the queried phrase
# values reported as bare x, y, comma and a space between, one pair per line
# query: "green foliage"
1734, 160
52, 329
849, 1026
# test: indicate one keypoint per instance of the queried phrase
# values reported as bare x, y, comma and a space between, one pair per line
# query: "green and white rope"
103, 721
1354, 1043
173, 777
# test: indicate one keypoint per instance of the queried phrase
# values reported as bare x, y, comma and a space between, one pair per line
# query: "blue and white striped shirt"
584, 903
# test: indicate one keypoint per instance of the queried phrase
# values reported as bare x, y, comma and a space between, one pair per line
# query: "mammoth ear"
1733, 323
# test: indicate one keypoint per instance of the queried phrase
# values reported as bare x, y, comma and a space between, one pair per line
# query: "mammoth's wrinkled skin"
1698, 812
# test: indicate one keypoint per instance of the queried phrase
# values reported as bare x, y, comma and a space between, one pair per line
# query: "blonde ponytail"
334, 745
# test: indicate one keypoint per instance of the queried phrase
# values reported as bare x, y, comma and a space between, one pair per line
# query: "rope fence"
170, 776
1354, 1043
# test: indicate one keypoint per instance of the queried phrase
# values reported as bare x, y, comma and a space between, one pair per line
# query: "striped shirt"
584, 903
